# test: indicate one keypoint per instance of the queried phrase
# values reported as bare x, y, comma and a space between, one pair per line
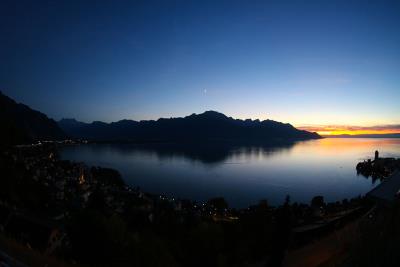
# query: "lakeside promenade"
388, 190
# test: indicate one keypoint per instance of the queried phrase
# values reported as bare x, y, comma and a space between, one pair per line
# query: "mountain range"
207, 126
21, 124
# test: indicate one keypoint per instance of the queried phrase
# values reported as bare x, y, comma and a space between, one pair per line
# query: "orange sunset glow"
326, 130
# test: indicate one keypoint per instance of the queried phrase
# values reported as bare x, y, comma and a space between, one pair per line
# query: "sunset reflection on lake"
243, 175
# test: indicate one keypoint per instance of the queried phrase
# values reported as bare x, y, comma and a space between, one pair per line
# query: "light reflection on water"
243, 175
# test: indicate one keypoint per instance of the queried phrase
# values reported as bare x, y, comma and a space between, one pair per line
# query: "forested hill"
21, 124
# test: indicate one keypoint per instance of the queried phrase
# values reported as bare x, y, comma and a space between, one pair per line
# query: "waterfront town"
88, 216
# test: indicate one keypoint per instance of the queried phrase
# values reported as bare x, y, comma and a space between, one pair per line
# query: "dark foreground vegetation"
88, 216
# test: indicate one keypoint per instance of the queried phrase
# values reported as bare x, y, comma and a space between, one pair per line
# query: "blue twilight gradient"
303, 62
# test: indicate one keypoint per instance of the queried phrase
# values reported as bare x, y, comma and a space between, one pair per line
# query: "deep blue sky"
304, 62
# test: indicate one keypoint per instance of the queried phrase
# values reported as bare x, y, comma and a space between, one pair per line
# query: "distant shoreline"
394, 135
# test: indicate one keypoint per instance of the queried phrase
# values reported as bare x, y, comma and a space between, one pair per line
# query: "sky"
314, 64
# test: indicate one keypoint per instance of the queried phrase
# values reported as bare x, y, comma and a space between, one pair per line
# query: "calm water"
243, 175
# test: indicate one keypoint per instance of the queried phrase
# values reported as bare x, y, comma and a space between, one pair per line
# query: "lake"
242, 174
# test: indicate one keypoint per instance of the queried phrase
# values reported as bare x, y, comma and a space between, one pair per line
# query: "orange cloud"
351, 130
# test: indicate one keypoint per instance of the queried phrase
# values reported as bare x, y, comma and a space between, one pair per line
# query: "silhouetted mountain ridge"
21, 124
207, 126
